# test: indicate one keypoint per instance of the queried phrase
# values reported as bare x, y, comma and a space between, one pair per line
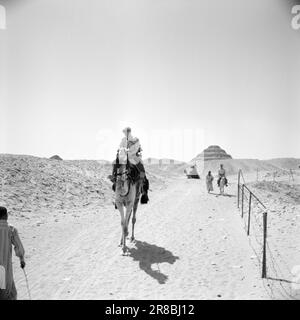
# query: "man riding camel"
222, 173
130, 149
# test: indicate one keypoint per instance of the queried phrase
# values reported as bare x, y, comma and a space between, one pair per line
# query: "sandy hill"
284, 163
166, 170
211, 158
33, 184
232, 166
36, 184
164, 161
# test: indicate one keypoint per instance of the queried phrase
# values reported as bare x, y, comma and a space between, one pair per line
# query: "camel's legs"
125, 212
221, 189
121, 209
127, 222
135, 206
125, 227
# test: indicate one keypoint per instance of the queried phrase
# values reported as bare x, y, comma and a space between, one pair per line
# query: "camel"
127, 199
222, 183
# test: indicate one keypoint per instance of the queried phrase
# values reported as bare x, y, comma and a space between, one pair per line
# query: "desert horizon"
156, 160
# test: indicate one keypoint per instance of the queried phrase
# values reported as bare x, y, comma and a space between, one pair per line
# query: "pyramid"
213, 153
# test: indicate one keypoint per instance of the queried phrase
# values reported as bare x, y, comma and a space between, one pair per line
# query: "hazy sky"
73, 73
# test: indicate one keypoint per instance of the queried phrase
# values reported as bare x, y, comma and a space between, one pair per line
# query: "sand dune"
32, 185
35, 184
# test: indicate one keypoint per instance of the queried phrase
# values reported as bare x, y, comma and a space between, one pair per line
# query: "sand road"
189, 245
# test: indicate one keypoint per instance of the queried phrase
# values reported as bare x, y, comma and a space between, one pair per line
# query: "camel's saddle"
136, 173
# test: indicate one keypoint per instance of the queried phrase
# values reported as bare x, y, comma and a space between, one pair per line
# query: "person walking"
209, 180
9, 237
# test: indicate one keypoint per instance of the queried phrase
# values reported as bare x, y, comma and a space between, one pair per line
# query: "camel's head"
222, 180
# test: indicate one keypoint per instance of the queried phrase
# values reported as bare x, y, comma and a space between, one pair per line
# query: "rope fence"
254, 214
245, 194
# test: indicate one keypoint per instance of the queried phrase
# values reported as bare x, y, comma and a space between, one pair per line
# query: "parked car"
192, 172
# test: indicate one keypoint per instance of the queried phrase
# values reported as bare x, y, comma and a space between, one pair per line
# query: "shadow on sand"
147, 254
223, 195
281, 280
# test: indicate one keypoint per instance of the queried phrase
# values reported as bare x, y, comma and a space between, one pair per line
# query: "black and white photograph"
149, 150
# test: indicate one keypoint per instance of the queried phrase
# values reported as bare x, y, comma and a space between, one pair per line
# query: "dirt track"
190, 245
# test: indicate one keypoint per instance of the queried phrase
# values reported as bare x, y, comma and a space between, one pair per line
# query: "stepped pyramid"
213, 153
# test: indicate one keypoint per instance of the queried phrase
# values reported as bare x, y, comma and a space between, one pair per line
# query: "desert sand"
189, 244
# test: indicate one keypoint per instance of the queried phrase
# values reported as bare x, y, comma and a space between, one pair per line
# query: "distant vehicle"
192, 173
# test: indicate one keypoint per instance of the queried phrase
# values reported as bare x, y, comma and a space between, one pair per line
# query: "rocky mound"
56, 157
31, 184
39, 185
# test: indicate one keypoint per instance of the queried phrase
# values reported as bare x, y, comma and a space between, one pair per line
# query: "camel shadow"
147, 254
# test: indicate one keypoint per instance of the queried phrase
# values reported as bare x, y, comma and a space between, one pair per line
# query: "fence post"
264, 259
249, 213
242, 200
238, 202
238, 196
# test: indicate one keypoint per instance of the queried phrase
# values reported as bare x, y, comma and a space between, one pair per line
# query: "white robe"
130, 146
